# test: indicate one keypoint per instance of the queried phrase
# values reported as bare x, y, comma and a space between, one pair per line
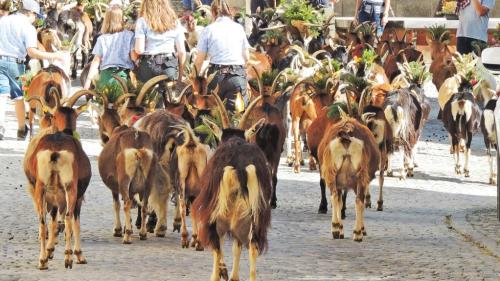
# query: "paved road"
409, 240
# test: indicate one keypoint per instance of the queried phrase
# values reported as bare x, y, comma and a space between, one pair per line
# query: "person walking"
113, 54
225, 43
19, 39
473, 18
373, 11
159, 40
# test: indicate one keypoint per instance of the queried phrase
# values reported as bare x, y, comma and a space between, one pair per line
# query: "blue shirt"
224, 41
472, 25
159, 43
17, 35
114, 50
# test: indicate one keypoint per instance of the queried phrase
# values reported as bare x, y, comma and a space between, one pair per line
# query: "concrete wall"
403, 8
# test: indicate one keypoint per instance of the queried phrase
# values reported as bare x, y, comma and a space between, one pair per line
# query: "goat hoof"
466, 173
458, 170
68, 263
357, 235
302, 162
43, 264
184, 243
50, 253
493, 181
80, 259
60, 227
390, 174
177, 225
312, 166
341, 236
380, 206
364, 231
323, 209
290, 161
150, 228
223, 271
342, 215
336, 234
117, 232
143, 236
296, 169
409, 173
274, 205
199, 248
127, 239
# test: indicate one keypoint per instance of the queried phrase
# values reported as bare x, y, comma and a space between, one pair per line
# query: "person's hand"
385, 20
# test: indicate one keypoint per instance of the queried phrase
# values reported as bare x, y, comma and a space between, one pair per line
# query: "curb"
458, 222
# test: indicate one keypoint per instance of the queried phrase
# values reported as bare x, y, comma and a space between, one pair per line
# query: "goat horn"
105, 101
148, 86
121, 99
362, 101
182, 93
224, 116
272, 27
366, 116
298, 50
249, 109
121, 82
318, 52
74, 98
275, 82
404, 36
259, 81
54, 92
42, 102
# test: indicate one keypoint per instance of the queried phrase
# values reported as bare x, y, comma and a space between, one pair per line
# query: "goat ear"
81, 109
213, 127
367, 116
254, 129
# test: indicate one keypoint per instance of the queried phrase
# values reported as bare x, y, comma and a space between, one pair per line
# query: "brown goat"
349, 158
58, 172
129, 167
235, 193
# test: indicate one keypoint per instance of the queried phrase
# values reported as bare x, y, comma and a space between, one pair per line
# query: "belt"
12, 59
167, 56
228, 67
374, 3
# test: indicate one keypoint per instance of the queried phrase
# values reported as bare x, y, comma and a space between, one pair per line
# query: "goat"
349, 158
489, 134
129, 167
271, 136
406, 113
58, 173
235, 193
461, 118
187, 162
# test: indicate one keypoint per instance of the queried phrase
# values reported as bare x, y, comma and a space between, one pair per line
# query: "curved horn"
105, 101
275, 82
121, 82
249, 109
318, 52
273, 27
182, 93
74, 98
224, 116
362, 101
298, 50
259, 81
42, 102
443, 36
148, 86
54, 92
121, 99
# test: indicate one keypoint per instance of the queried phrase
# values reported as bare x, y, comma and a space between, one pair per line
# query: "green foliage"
439, 33
416, 73
369, 57
200, 19
357, 83
273, 37
39, 23
496, 33
300, 10
334, 109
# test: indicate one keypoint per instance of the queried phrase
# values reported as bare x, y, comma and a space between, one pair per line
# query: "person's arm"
34, 53
181, 52
200, 58
140, 36
356, 10
385, 15
93, 71
480, 9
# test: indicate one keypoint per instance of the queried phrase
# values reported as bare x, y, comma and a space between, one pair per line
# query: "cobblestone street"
409, 240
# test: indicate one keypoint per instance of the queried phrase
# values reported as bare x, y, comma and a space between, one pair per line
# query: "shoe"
2, 132
21, 134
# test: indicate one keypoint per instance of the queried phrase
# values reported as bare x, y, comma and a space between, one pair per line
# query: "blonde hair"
113, 21
220, 8
158, 14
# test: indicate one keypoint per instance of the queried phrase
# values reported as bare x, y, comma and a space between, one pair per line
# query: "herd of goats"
353, 99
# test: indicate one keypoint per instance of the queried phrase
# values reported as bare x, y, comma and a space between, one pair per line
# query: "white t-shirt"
159, 43
472, 25
17, 35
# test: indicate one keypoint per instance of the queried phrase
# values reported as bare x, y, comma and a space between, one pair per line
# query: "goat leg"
80, 259
323, 205
40, 206
493, 176
52, 233
252, 257
235, 273
117, 230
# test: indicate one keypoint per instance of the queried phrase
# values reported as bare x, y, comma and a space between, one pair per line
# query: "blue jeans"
371, 17
9, 74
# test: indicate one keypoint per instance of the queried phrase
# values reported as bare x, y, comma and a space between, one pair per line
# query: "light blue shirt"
159, 43
472, 25
114, 50
17, 35
224, 41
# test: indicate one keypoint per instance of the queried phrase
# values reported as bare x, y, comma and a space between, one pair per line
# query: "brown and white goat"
461, 118
58, 172
129, 167
349, 158
236, 189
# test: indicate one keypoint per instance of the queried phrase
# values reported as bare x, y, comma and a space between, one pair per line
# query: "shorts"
230, 83
152, 66
9, 75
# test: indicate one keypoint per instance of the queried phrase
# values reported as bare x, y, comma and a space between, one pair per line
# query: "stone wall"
403, 8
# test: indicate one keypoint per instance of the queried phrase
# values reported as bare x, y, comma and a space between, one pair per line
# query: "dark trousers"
372, 17
231, 80
464, 45
152, 66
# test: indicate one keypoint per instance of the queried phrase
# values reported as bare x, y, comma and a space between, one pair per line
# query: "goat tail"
258, 208
489, 122
55, 168
138, 161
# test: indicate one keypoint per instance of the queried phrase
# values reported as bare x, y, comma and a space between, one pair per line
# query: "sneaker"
2, 132
21, 134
